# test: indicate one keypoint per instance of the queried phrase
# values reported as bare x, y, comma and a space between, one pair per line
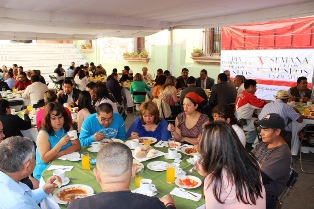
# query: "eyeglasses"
105, 119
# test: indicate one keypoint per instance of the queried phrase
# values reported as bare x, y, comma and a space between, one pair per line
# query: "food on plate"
141, 140
190, 150
57, 182
137, 149
78, 192
144, 152
174, 144
145, 147
187, 182
141, 154
151, 153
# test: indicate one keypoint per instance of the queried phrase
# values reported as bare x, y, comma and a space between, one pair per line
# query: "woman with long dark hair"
85, 108
81, 80
102, 96
232, 175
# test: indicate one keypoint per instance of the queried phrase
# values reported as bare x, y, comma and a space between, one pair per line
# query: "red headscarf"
195, 97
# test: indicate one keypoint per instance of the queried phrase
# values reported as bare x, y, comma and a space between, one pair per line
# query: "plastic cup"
73, 133
170, 173
85, 161
172, 142
60, 173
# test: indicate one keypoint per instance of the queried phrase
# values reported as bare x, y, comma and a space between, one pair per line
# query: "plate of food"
64, 194
145, 153
188, 182
189, 150
112, 140
139, 166
157, 166
174, 144
152, 139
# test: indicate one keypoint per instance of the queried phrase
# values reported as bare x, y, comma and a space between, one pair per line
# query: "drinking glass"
29, 108
138, 177
172, 143
170, 173
85, 161
146, 141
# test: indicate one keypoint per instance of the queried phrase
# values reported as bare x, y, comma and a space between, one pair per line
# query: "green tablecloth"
159, 178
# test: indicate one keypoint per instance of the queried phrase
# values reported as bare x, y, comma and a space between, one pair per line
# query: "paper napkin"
71, 156
161, 144
177, 192
62, 167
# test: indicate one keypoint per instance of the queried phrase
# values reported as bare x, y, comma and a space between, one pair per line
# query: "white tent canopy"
81, 19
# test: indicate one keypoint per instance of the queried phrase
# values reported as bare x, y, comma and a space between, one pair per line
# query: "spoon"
183, 190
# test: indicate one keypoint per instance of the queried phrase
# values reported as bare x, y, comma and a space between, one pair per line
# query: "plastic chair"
306, 144
56, 83
137, 93
121, 107
292, 180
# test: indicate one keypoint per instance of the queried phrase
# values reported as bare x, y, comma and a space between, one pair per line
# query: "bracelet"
170, 204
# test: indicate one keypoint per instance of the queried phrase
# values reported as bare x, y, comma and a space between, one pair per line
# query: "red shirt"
22, 86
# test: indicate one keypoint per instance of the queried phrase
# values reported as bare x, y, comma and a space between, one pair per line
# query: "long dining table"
80, 176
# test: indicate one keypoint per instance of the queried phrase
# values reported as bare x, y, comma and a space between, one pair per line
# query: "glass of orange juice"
170, 173
146, 141
306, 111
138, 178
85, 161
29, 108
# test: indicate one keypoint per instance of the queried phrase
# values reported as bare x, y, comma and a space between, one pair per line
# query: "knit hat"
195, 97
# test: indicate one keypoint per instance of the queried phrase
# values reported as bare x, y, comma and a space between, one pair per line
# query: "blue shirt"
160, 133
91, 125
18, 195
10, 82
53, 140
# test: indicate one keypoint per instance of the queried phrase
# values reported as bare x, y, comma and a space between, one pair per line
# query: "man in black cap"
274, 156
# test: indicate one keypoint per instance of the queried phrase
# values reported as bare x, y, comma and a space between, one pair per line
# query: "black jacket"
64, 97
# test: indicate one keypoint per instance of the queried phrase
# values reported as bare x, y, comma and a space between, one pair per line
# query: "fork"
191, 170
183, 190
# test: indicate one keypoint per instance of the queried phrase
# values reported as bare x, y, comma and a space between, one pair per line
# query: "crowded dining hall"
120, 122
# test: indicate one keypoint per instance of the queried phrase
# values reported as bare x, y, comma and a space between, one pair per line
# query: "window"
139, 44
212, 41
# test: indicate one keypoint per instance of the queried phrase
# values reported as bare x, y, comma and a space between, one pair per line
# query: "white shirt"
147, 77
241, 88
240, 134
69, 73
35, 92
81, 83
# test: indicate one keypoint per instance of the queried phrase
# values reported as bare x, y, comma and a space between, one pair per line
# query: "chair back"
138, 93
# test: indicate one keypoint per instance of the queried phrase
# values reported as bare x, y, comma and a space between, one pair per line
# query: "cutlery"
183, 190
190, 171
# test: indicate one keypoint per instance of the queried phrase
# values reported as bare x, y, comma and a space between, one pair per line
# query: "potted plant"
83, 46
133, 55
88, 45
197, 52
143, 54
126, 55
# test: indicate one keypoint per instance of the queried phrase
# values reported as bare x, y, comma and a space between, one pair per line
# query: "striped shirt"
281, 108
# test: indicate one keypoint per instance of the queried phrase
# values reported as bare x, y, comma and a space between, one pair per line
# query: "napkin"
161, 144
177, 192
63, 167
159, 166
71, 156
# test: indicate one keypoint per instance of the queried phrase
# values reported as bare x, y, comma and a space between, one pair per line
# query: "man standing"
68, 94
103, 124
274, 156
300, 93
20, 152
72, 64
245, 105
239, 83
191, 83
181, 80
35, 91
114, 172
146, 75
204, 81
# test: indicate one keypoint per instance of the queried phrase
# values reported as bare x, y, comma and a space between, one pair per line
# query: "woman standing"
188, 124
52, 140
138, 85
168, 93
232, 175
149, 124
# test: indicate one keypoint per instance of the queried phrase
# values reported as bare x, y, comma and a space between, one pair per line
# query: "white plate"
178, 156
128, 143
158, 154
88, 189
138, 191
157, 166
91, 150
183, 149
199, 181
74, 159
182, 173
113, 139
152, 139
66, 181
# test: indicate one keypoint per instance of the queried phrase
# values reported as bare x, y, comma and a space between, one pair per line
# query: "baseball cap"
272, 120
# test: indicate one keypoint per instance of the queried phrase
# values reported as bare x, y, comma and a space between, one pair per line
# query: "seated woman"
49, 96
168, 93
98, 72
225, 113
226, 185
188, 124
85, 108
81, 80
102, 96
114, 87
12, 124
138, 85
149, 124
161, 79
52, 140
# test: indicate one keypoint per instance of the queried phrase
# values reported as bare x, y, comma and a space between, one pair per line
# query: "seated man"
281, 107
68, 94
22, 82
103, 124
300, 93
274, 156
20, 152
35, 91
146, 75
114, 172
181, 80
204, 81
245, 105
